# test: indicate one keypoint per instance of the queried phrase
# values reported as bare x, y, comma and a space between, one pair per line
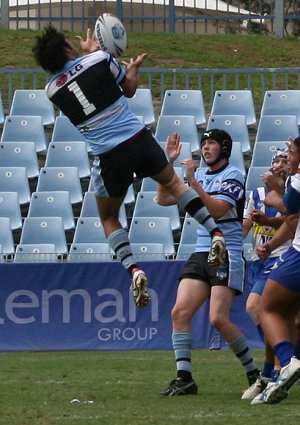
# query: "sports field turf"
122, 388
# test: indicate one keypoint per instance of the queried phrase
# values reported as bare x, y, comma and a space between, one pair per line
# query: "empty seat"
185, 250
142, 105
52, 204
89, 230
189, 231
235, 126
281, 102
146, 206
253, 179
69, 154
10, 207
184, 102
89, 209
65, 131
148, 251
94, 252
14, 179
1, 255
61, 179
153, 230
263, 152
20, 154
234, 102
236, 158
33, 102
276, 127
45, 230
148, 184
25, 128
185, 125
6, 236
32, 253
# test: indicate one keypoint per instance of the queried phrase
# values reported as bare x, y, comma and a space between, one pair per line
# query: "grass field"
121, 388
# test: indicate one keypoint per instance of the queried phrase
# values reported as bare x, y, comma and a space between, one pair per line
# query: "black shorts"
140, 155
197, 267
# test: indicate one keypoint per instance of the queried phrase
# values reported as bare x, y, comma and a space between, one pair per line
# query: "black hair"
297, 143
50, 50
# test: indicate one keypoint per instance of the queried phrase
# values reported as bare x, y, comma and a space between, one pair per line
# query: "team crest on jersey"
61, 80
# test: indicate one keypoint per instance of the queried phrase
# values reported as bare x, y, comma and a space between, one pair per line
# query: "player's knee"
180, 315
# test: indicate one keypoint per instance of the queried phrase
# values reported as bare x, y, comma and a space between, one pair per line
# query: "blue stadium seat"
263, 152
25, 128
142, 105
90, 252
45, 230
65, 131
189, 231
89, 209
89, 230
6, 236
185, 250
69, 154
281, 102
153, 230
52, 204
235, 126
185, 125
14, 179
253, 179
148, 251
61, 178
276, 127
234, 102
184, 102
1, 255
33, 102
32, 253
146, 206
10, 207
20, 154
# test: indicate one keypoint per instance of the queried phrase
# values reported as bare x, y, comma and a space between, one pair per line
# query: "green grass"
170, 51
175, 50
37, 389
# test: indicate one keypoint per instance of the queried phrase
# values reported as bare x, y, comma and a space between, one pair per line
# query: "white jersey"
262, 234
292, 203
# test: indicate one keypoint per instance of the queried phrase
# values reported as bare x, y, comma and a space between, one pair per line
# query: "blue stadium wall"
87, 306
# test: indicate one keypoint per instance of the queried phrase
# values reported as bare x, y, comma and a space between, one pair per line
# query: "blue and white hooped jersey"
292, 203
262, 234
88, 92
226, 184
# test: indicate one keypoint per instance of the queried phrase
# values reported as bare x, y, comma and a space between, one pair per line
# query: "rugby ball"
110, 34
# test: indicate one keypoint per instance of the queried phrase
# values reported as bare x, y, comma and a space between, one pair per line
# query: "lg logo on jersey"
74, 70
62, 79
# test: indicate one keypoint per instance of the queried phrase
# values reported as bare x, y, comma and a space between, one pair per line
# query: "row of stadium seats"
175, 102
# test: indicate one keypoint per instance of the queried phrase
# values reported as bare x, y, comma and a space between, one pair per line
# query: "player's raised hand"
173, 147
89, 45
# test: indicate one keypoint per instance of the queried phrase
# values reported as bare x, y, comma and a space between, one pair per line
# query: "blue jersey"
226, 184
88, 92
